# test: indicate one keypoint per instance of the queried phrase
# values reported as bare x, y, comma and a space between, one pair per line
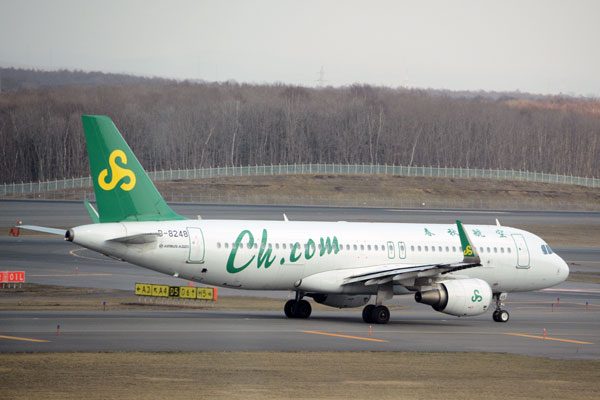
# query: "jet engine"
341, 300
459, 297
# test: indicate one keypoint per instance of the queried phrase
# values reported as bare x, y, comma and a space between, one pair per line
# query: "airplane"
456, 269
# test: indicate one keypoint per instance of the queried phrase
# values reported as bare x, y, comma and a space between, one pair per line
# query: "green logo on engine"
476, 298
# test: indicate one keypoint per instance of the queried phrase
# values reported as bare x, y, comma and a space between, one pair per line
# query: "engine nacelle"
341, 300
460, 297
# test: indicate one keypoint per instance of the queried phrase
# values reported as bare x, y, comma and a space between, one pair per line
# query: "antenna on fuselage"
285, 218
497, 222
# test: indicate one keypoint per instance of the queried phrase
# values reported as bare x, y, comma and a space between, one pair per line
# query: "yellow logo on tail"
468, 251
117, 172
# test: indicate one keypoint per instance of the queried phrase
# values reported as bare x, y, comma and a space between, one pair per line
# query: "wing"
44, 229
335, 281
380, 275
387, 273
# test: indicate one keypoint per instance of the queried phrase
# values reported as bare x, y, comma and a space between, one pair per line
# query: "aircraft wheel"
380, 315
503, 316
367, 313
303, 309
288, 308
495, 315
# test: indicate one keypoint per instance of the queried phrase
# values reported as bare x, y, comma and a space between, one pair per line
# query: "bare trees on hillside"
182, 125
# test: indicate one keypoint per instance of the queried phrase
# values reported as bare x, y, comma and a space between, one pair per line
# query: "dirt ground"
372, 191
302, 375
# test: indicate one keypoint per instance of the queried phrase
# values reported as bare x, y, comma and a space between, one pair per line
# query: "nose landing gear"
500, 315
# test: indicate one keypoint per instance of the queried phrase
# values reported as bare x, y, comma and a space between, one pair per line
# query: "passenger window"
355, 247
375, 247
369, 247
481, 249
495, 249
362, 247
412, 248
249, 245
488, 249
447, 249
419, 248
501, 249
218, 245
454, 249
426, 248
226, 245
432, 248
508, 249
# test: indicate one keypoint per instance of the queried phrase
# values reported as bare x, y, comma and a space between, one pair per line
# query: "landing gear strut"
297, 308
500, 315
378, 313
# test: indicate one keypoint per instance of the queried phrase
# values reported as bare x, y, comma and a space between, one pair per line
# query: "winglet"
469, 251
92, 212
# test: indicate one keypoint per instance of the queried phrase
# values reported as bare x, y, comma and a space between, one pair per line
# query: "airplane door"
391, 250
401, 250
522, 251
196, 255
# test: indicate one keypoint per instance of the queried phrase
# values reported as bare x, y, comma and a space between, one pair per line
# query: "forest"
182, 124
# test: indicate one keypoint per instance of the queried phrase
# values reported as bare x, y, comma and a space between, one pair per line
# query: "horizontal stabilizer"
44, 229
94, 216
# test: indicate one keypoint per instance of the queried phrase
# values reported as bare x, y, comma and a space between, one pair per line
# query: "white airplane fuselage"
315, 256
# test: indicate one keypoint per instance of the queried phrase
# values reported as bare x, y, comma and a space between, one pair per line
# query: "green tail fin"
124, 192
469, 251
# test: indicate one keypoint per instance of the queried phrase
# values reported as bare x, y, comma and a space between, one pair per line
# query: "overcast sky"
540, 46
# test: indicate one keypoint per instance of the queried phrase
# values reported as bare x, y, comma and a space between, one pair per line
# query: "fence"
16, 189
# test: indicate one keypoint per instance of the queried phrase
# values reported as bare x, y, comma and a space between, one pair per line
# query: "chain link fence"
33, 188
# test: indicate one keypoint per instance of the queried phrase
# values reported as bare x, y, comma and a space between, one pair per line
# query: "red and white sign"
12, 276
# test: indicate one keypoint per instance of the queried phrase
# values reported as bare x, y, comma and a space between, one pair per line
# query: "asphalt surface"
565, 330
571, 329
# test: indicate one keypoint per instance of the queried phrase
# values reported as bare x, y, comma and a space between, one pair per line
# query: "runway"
536, 328
570, 330
72, 213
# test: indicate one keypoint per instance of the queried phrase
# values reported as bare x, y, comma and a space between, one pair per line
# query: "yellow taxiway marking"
366, 339
548, 338
23, 339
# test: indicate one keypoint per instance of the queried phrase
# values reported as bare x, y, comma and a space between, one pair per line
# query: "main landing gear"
500, 315
297, 308
373, 314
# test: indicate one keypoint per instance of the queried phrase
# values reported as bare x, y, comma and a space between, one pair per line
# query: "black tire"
495, 315
380, 315
303, 309
288, 308
503, 316
367, 313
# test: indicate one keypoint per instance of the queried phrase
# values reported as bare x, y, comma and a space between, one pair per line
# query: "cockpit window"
546, 249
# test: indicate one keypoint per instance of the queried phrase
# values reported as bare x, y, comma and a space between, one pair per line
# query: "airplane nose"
563, 271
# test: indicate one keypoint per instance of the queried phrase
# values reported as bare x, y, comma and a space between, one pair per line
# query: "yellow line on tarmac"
548, 338
23, 339
366, 339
